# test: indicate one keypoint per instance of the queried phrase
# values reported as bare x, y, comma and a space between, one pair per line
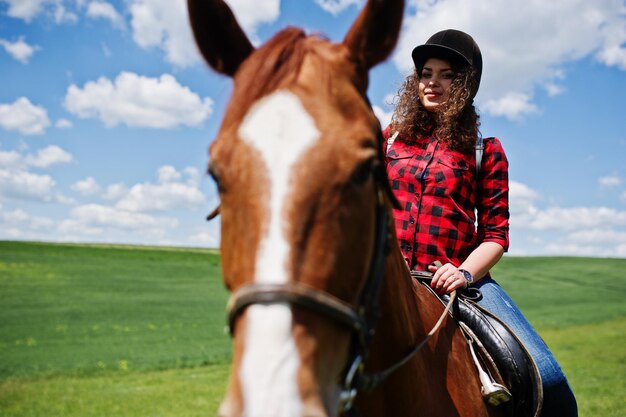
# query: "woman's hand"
446, 279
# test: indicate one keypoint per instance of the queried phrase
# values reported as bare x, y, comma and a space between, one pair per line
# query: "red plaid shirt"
438, 191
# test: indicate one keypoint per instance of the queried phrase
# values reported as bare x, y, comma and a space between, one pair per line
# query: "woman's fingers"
447, 279
441, 275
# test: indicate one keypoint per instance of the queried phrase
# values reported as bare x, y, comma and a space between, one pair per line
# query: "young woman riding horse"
306, 234
440, 182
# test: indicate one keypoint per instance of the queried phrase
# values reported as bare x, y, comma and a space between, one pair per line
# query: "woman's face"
435, 81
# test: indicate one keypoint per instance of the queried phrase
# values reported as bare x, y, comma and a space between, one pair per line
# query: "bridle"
362, 319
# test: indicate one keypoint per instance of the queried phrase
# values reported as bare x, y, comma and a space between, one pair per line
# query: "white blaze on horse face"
282, 131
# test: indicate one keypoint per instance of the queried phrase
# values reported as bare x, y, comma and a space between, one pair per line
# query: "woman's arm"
448, 278
493, 223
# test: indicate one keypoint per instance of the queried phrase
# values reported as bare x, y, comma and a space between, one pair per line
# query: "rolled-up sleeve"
493, 195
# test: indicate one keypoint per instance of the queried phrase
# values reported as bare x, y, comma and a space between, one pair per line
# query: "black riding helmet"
452, 45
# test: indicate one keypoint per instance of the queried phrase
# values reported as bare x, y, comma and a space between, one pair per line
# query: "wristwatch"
467, 275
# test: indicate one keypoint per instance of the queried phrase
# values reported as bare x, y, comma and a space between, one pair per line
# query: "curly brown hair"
456, 124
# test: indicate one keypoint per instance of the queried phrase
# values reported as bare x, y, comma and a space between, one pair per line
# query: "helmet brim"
422, 53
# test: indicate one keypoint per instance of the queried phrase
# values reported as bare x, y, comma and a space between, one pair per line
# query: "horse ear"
374, 34
221, 40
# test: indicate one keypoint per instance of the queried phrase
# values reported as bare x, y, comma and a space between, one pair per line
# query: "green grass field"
94, 330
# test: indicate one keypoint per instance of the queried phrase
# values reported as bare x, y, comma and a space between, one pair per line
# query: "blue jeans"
558, 398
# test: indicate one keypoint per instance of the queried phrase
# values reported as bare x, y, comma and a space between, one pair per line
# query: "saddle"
515, 382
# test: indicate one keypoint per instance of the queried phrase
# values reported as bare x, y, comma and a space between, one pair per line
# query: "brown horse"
306, 235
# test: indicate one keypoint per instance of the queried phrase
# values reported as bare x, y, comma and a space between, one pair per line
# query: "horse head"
295, 161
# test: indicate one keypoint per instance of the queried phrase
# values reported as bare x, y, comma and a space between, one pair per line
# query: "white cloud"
167, 195
595, 241
95, 216
17, 182
193, 175
210, 239
601, 236
613, 56
24, 117
45, 157
97, 223
164, 24
11, 160
513, 105
104, 10
335, 7
19, 49
61, 15
29, 9
252, 13
560, 218
174, 190
138, 101
573, 249
115, 192
610, 181
50, 155
167, 174
128, 219
383, 117
76, 230
26, 9
519, 42
22, 218
554, 89
88, 186
574, 231
63, 124
521, 201
18, 224
21, 184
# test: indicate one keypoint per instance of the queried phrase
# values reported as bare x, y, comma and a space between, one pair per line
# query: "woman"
454, 210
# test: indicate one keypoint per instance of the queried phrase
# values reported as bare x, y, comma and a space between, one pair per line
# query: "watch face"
468, 276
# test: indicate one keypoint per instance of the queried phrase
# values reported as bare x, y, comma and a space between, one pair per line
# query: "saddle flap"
502, 349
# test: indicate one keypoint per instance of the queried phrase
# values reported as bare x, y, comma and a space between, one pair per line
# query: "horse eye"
216, 178
362, 172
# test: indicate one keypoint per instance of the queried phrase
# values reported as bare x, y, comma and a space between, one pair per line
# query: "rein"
371, 381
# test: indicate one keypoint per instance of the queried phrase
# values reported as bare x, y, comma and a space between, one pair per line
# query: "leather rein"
360, 320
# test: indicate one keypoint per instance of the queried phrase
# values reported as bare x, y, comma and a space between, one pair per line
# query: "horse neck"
407, 313
399, 306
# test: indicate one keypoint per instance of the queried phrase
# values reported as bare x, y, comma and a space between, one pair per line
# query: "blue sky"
107, 111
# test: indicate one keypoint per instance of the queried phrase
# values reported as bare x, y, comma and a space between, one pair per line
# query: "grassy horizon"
100, 330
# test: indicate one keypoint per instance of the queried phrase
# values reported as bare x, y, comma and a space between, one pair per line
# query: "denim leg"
559, 399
